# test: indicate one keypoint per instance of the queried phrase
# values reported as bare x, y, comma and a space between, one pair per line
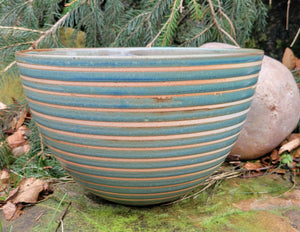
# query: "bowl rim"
62, 53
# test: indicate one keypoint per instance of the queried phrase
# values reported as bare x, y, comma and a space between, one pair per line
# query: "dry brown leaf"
297, 65
291, 145
253, 166
21, 119
18, 151
16, 139
289, 59
29, 190
293, 136
12, 211
4, 180
12, 193
275, 157
9, 210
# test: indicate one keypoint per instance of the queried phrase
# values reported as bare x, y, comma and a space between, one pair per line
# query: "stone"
274, 113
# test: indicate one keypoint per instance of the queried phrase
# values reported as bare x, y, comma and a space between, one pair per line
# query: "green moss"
11, 87
212, 210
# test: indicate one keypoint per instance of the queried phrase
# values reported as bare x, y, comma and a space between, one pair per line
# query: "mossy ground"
212, 211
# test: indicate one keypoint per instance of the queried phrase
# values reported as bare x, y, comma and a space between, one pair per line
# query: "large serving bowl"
140, 126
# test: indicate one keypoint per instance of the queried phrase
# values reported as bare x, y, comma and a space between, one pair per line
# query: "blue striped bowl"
140, 126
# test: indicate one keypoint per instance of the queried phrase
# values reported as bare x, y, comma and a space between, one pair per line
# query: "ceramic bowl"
140, 126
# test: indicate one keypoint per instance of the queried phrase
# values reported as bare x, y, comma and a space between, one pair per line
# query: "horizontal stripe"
142, 124
143, 148
138, 160
140, 69
137, 84
144, 194
143, 179
140, 187
143, 170
141, 138
154, 97
141, 110
134, 200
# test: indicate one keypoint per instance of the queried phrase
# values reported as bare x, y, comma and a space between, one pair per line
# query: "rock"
274, 113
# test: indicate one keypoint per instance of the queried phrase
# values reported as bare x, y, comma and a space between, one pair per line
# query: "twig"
155, 38
230, 22
198, 35
60, 21
63, 216
221, 30
38, 217
9, 66
181, 7
287, 14
208, 183
22, 29
16, 45
34, 44
295, 38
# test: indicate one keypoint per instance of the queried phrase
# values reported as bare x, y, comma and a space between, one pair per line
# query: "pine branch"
171, 22
16, 45
126, 26
22, 29
220, 29
51, 30
198, 35
229, 21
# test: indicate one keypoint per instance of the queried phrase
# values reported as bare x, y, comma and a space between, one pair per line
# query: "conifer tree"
31, 24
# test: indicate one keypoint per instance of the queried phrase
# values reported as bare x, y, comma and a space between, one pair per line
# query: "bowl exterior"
140, 131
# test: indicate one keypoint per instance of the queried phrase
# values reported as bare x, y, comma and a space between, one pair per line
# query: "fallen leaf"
12, 193
275, 157
293, 136
21, 119
29, 190
298, 66
4, 180
291, 145
18, 151
253, 166
16, 139
289, 59
12, 211
280, 171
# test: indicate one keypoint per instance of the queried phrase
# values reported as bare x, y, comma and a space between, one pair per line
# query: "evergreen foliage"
119, 23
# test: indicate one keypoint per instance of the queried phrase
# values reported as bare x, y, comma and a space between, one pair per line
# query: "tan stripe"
143, 170
143, 194
142, 124
134, 200
140, 187
143, 138
140, 69
142, 148
154, 97
143, 179
142, 110
140, 160
137, 84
